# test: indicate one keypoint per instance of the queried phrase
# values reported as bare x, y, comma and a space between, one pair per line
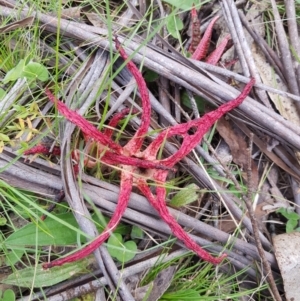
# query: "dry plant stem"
293, 33
285, 52
246, 50
248, 201
89, 86
163, 98
269, 53
272, 155
122, 98
193, 104
177, 100
164, 82
242, 79
236, 41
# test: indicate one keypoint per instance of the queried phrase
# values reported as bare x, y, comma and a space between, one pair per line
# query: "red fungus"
130, 157
199, 46
202, 47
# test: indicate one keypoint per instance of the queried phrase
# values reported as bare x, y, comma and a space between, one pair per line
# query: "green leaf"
150, 76
291, 225
42, 278
4, 137
35, 70
13, 257
129, 252
288, 214
51, 232
174, 25
14, 73
128, 248
31, 71
235, 191
3, 220
185, 100
8, 295
136, 232
186, 196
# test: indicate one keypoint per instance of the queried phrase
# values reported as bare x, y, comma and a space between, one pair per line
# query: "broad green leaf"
8, 295
185, 196
3, 220
38, 277
35, 70
4, 137
128, 248
290, 225
50, 232
174, 25
13, 257
129, 251
288, 214
136, 232
150, 76
114, 241
14, 73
